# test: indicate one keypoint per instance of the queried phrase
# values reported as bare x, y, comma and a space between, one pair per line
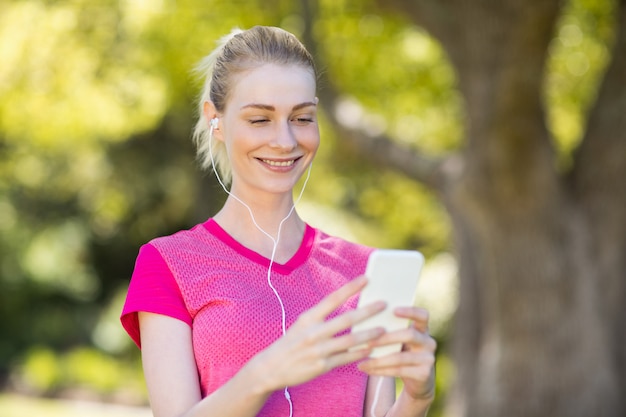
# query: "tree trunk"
540, 328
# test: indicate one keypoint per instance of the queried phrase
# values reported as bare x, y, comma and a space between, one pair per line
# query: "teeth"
278, 163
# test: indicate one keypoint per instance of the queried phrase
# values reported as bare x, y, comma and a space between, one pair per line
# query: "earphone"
212, 126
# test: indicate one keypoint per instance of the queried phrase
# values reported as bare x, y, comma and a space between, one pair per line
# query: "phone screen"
393, 276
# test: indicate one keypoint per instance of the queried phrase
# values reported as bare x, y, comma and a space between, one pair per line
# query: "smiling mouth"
279, 163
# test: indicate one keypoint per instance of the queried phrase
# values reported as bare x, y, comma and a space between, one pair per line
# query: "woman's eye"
258, 121
303, 120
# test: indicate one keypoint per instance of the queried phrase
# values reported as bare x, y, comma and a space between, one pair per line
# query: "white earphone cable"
379, 385
274, 240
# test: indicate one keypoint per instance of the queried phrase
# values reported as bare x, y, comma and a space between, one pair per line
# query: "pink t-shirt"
208, 280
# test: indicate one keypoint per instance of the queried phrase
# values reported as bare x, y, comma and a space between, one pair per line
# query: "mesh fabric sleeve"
152, 289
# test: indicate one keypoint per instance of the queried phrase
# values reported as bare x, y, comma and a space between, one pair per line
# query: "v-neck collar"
296, 260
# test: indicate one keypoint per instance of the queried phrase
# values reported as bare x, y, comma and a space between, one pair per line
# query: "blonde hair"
237, 52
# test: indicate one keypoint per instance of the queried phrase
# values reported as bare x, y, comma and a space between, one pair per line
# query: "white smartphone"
393, 275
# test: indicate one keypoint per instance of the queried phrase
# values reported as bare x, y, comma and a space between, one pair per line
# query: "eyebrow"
272, 108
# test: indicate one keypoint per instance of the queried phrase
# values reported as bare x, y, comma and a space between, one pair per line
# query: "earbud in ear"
214, 122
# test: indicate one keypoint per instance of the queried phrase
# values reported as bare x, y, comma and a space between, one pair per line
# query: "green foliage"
95, 158
397, 72
43, 371
577, 59
12, 405
70, 92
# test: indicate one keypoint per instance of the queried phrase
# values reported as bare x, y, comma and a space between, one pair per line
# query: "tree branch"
600, 160
599, 180
379, 149
383, 151
498, 50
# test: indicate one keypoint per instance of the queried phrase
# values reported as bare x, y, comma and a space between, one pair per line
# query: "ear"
210, 112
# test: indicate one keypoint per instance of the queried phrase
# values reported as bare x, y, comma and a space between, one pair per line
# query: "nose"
284, 137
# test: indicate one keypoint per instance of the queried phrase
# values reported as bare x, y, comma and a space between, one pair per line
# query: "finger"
336, 351
352, 317
418, 373
411, 338
335, 299
328, 329
399, 364
352, 340
346, 357
419, 316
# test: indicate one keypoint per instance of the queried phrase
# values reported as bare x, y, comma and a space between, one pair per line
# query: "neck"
266, 213
264, 222
258, 227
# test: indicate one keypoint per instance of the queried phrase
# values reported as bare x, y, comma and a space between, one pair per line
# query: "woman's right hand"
310, 346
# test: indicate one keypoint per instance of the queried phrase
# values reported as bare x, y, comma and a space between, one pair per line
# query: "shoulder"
340, 250
330, 242
183, 239
189, 245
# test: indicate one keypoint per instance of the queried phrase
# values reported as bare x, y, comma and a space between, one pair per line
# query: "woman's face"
269, 127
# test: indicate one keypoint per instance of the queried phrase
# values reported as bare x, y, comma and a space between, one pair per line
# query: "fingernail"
402, 310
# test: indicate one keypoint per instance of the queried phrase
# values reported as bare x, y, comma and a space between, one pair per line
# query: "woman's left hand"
414, 364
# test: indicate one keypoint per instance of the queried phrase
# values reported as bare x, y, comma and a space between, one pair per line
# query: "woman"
249, 313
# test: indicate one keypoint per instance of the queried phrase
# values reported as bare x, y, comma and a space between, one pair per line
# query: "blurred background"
97, 102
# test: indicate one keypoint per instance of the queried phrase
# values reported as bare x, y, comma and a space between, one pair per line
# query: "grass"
13, 405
